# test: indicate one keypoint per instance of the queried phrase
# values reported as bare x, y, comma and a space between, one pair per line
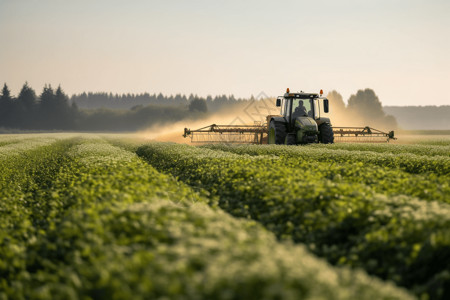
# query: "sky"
399, 48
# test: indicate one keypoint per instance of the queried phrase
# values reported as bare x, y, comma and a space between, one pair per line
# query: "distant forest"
421, 117
53, 109
129, 101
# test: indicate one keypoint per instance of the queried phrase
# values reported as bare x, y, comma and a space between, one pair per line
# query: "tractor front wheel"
326, 135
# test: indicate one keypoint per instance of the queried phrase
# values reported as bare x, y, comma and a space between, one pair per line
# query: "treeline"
53, 110
49, 110
128, 101
421, 117
362, 109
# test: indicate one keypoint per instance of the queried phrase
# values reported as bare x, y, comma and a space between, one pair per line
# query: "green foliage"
139, 117
338, 202
26, 170
406, 161
6, 105
84, 219
371, 173
427, 149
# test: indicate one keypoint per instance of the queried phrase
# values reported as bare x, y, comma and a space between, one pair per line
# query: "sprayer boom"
242, 134
257, 134
362, 134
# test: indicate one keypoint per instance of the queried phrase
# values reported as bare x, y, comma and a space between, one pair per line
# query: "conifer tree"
6, 103
26, 112
47, 106
63, 114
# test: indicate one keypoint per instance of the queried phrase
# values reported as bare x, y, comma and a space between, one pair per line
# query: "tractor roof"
301, 95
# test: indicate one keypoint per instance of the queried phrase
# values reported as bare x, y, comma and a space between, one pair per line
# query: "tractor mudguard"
323, 120
278, 119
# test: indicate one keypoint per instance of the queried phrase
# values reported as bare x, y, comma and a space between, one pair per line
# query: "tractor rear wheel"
326, 135
277, 132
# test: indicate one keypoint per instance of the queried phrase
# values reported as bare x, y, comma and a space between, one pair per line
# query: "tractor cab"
294, 105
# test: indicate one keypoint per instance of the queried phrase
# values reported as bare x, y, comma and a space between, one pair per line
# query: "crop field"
112, 217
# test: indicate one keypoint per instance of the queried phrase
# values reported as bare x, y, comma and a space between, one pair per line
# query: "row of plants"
27, 170
411, 163
426, 150
399, 238
10, 149
434, 141
7, 142
6, 139
100, 223
380, 179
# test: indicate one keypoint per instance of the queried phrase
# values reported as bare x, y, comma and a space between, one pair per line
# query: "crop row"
30, 140
436, 141
14, 138
98, 222
380, 179
26, 172
3, 143
411, 163
22, 147
426, 150
398, 238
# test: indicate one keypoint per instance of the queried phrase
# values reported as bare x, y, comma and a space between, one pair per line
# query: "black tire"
326, 135
291, 139
278, 130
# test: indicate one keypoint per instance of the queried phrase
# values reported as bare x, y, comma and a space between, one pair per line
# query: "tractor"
300, 120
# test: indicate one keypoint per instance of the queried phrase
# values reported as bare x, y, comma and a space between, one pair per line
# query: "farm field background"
116, 216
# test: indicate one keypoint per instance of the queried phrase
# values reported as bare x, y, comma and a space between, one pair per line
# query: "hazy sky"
400, 48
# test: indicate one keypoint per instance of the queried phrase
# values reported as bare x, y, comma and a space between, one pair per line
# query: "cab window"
302, 107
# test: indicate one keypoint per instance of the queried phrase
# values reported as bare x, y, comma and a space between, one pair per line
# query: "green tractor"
300, 121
